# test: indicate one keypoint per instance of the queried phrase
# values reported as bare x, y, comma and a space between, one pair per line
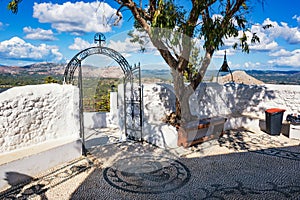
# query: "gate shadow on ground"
100, 136
269, 173
17, 190
23, 186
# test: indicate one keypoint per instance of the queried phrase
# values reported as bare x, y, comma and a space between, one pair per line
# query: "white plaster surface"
159, 100
242, 105
33, 114
212, 99
294, 132
94, 120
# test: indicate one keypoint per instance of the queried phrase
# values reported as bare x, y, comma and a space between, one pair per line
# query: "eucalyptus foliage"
172, 26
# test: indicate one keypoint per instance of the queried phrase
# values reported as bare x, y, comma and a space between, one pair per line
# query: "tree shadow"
18, 189
240, 175
233, 140
230, 100
242, 98
245, 140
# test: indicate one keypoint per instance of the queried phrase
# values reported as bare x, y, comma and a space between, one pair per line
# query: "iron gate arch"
133, 97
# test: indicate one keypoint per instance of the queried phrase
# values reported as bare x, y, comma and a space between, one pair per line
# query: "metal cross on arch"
99, 38
133, 97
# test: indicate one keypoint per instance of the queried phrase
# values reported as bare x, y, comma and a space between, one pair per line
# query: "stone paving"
240, 165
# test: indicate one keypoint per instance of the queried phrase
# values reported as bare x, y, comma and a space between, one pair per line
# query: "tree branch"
230, 10
198, 7
119, 15
152, 7
139, 15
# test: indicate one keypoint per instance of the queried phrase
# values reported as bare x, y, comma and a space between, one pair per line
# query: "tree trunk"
183, 94
183, 91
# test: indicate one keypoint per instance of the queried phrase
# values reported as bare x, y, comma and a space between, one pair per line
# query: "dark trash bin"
274, 118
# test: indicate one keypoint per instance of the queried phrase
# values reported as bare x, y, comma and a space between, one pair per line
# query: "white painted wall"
232, 100
34, 114
31, 115
241, 104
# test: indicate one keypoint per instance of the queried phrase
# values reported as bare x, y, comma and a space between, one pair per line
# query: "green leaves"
13, 6
191, 71
50, 79
229, 24
166, 15
244, 5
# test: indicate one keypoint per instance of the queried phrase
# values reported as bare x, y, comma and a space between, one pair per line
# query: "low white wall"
33, 114
212, 99
241, 104
159, 100
94, 120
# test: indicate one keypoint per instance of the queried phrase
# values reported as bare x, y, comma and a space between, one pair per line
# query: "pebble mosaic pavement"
240, 165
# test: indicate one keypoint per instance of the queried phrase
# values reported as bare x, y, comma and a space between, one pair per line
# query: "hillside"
52, 69
11, 76
240, 77
35, 74
276, 77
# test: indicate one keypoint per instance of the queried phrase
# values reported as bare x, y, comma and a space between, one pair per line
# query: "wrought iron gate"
133, 96
133, 104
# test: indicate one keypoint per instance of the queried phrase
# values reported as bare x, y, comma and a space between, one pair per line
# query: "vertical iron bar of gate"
124, 104
141, 103
81, 110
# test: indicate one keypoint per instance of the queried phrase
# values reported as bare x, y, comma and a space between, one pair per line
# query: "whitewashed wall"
34, 114
159, 100
233, 100
241, 104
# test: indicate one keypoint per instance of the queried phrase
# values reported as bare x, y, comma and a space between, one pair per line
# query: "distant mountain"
38, 68
54, 69
57, 70
276, 77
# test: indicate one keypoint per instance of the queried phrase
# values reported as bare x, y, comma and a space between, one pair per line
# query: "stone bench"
199, 131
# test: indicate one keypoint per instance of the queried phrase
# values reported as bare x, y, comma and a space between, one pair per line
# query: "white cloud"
18, 49
268, 37
78, 17
297, 18
38, 34
251, 65
3, 26
221, 53
290, 34
124, 46
266, 43
79, 44
126, 55
281, 52
291, 59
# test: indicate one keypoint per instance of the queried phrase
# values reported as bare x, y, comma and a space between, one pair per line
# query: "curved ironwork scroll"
75, 62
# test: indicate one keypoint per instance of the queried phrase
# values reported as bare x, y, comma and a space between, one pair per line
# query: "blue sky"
55, 31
